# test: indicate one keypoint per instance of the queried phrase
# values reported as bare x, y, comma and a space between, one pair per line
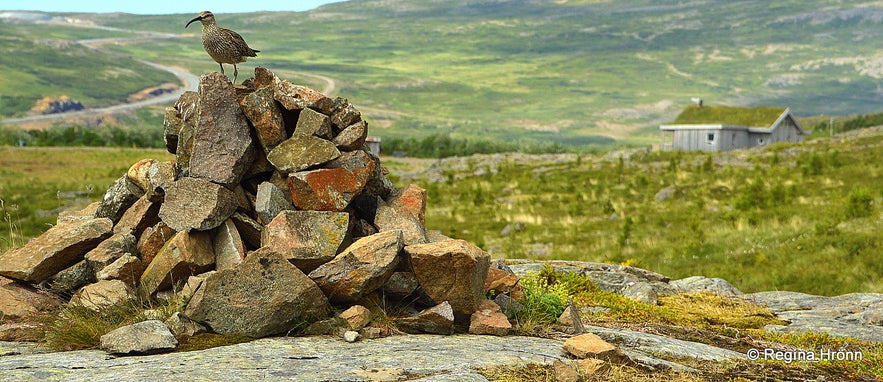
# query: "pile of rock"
272, 214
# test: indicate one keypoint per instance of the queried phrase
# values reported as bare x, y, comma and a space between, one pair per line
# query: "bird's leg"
222, 67
235, 73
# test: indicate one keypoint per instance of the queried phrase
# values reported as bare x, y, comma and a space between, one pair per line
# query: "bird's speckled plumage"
223, 45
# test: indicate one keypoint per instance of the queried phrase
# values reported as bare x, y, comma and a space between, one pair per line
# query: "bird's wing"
244, 49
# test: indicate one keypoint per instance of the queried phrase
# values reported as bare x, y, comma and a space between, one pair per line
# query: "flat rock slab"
413, 357
855, 315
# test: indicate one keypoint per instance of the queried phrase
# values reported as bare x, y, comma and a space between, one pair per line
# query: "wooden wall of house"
697, 140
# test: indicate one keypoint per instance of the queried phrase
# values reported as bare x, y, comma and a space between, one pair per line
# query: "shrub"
859, 203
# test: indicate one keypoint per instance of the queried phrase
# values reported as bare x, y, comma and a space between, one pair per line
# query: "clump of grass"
519, 373
544, 301
12, 227
869, 366
77, 327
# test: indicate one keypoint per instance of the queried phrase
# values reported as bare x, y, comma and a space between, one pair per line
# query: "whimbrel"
225, 46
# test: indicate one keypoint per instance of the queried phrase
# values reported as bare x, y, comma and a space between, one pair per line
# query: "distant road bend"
188, 80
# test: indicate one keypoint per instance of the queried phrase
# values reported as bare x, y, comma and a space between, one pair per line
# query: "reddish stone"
488, 319
144, 213
329, 189
265, 116
152, 240
500, 281
407, 213
591, 346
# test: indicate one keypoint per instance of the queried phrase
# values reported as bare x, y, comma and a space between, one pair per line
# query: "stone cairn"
273, 216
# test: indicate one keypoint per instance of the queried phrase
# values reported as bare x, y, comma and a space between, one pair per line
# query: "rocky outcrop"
854, 315
52, 105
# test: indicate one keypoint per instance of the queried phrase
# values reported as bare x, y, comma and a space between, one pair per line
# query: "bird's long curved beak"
197, 18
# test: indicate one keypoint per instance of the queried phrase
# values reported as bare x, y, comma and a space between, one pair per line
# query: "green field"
533, 71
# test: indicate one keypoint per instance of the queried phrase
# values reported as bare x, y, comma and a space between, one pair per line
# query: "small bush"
859, 203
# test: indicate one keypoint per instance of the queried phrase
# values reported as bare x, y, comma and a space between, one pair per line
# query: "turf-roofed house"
724, 128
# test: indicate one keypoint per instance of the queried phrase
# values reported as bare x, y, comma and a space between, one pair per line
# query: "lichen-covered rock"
344, 113
296, 97
142, 214
20, 300
263, 296
127, 269
197, 204
361, 268
306, 238
118, 198
698, 284
145, 337
311, 122
152, 240
183, 327
334, 187
222, 148
270, 201
229, 247
183, 113
405, 212
489, 319
58, 248
301, 152
352, 137
265, 116
356, 316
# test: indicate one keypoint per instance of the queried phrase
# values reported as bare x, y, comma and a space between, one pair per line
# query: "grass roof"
729, 115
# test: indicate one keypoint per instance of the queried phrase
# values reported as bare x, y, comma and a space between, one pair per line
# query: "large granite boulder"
453, 271
265, 295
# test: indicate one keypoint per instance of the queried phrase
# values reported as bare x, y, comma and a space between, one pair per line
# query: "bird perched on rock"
225, 46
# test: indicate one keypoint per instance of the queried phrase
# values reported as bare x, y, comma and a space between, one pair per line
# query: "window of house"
760, 141
710, 138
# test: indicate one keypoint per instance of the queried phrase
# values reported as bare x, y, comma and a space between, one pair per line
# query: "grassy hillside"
552, 71
39, 61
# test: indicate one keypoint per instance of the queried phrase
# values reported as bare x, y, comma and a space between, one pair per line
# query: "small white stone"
351, 336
